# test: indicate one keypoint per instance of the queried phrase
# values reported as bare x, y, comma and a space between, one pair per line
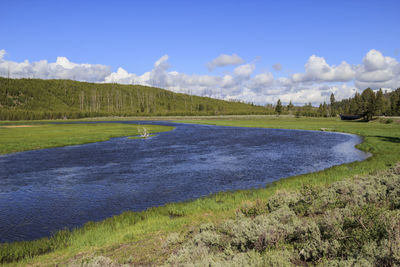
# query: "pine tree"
290, 106
332, 99
368, 107
325, 109
380, 104
278, 108
353, 109
394, 106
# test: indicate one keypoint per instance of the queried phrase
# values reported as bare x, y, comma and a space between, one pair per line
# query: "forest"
365, 105
32, 99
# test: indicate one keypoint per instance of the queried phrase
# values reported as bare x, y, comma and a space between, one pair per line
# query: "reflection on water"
46, 190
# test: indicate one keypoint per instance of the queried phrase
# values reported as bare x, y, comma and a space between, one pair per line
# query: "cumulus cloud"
314, 85
261, 81
224, 60
374, 60
315, 94
244, 70
121, 76
61, 69
316, 69
378, 71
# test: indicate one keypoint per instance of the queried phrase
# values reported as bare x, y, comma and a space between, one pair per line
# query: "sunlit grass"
38, 136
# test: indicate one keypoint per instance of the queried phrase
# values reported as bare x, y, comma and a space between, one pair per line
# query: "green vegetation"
278, 107
15, 138
366, 105
369, 103
349, 223
354, 207
33, 99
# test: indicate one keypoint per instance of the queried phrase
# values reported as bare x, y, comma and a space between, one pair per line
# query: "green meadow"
157, 234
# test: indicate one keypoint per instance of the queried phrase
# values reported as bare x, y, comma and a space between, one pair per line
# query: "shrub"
349, 223
97, 261
253, 209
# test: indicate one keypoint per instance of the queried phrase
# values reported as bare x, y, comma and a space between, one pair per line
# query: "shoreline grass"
137, 237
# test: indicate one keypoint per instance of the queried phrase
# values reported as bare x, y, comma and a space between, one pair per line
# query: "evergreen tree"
394, 103
368, 107
290, 106
354, 108
397, 110
380, 104
332, 99
325, 109
278, 108
358, 102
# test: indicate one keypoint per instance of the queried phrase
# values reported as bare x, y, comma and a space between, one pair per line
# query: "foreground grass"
22, 137
138, 237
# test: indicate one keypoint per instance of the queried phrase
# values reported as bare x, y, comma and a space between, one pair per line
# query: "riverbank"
139, 238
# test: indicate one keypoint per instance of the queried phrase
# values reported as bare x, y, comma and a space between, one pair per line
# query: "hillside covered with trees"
26, 99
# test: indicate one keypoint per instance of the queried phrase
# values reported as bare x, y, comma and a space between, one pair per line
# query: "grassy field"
22, 137
140, 237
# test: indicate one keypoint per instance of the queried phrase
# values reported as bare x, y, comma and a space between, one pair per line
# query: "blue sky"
133, 35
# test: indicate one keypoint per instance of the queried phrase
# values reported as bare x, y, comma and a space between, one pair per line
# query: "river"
45, 190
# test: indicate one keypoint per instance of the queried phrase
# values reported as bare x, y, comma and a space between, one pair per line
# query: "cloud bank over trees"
315, 84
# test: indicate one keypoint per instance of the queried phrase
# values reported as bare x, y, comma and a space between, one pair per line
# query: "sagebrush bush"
355, 222
252, 209
96, 261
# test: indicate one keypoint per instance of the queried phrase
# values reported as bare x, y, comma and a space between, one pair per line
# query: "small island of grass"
39, 135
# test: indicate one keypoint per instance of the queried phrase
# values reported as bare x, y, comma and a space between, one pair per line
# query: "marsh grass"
137, 237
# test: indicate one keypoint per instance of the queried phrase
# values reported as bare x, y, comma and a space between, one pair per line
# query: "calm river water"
45, 190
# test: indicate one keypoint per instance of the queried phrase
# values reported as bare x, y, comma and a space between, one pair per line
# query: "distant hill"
26, 99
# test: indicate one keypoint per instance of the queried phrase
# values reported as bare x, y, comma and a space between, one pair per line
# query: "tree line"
365, 105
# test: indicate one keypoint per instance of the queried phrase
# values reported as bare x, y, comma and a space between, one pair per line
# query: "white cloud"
244, 70
2, 53
374, 60
61, 69
316, 69
121, 76
261, 81
315, 94
224, 60
378, 71
315, 84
